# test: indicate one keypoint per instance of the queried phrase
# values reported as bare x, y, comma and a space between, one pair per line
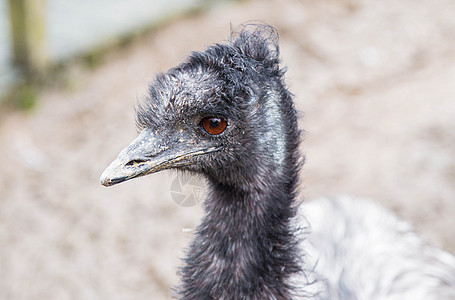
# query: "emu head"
223, 113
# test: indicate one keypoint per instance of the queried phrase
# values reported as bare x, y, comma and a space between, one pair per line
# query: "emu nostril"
135, 162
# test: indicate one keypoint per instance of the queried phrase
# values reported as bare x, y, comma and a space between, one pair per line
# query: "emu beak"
151, 152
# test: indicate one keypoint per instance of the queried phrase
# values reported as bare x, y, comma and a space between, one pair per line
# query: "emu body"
252, 242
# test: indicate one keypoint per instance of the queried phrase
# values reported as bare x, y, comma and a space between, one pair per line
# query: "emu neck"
245, 247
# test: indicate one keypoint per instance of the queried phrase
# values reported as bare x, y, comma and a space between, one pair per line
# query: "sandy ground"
374, 80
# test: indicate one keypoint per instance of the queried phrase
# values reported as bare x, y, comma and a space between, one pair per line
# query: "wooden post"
27, 19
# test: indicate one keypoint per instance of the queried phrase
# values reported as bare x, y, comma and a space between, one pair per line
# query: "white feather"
357, 250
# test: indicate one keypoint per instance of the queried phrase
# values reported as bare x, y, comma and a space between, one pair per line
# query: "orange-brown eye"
214, 125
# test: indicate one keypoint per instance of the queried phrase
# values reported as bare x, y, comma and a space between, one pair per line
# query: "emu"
226, 114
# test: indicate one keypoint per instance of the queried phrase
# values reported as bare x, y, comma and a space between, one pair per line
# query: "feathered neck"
245, 248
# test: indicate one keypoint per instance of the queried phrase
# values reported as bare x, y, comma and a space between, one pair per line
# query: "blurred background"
374, 81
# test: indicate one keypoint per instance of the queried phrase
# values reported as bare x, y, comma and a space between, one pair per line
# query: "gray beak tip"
104, 179
113, 173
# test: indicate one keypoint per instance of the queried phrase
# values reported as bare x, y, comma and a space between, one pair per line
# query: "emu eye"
214, 125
